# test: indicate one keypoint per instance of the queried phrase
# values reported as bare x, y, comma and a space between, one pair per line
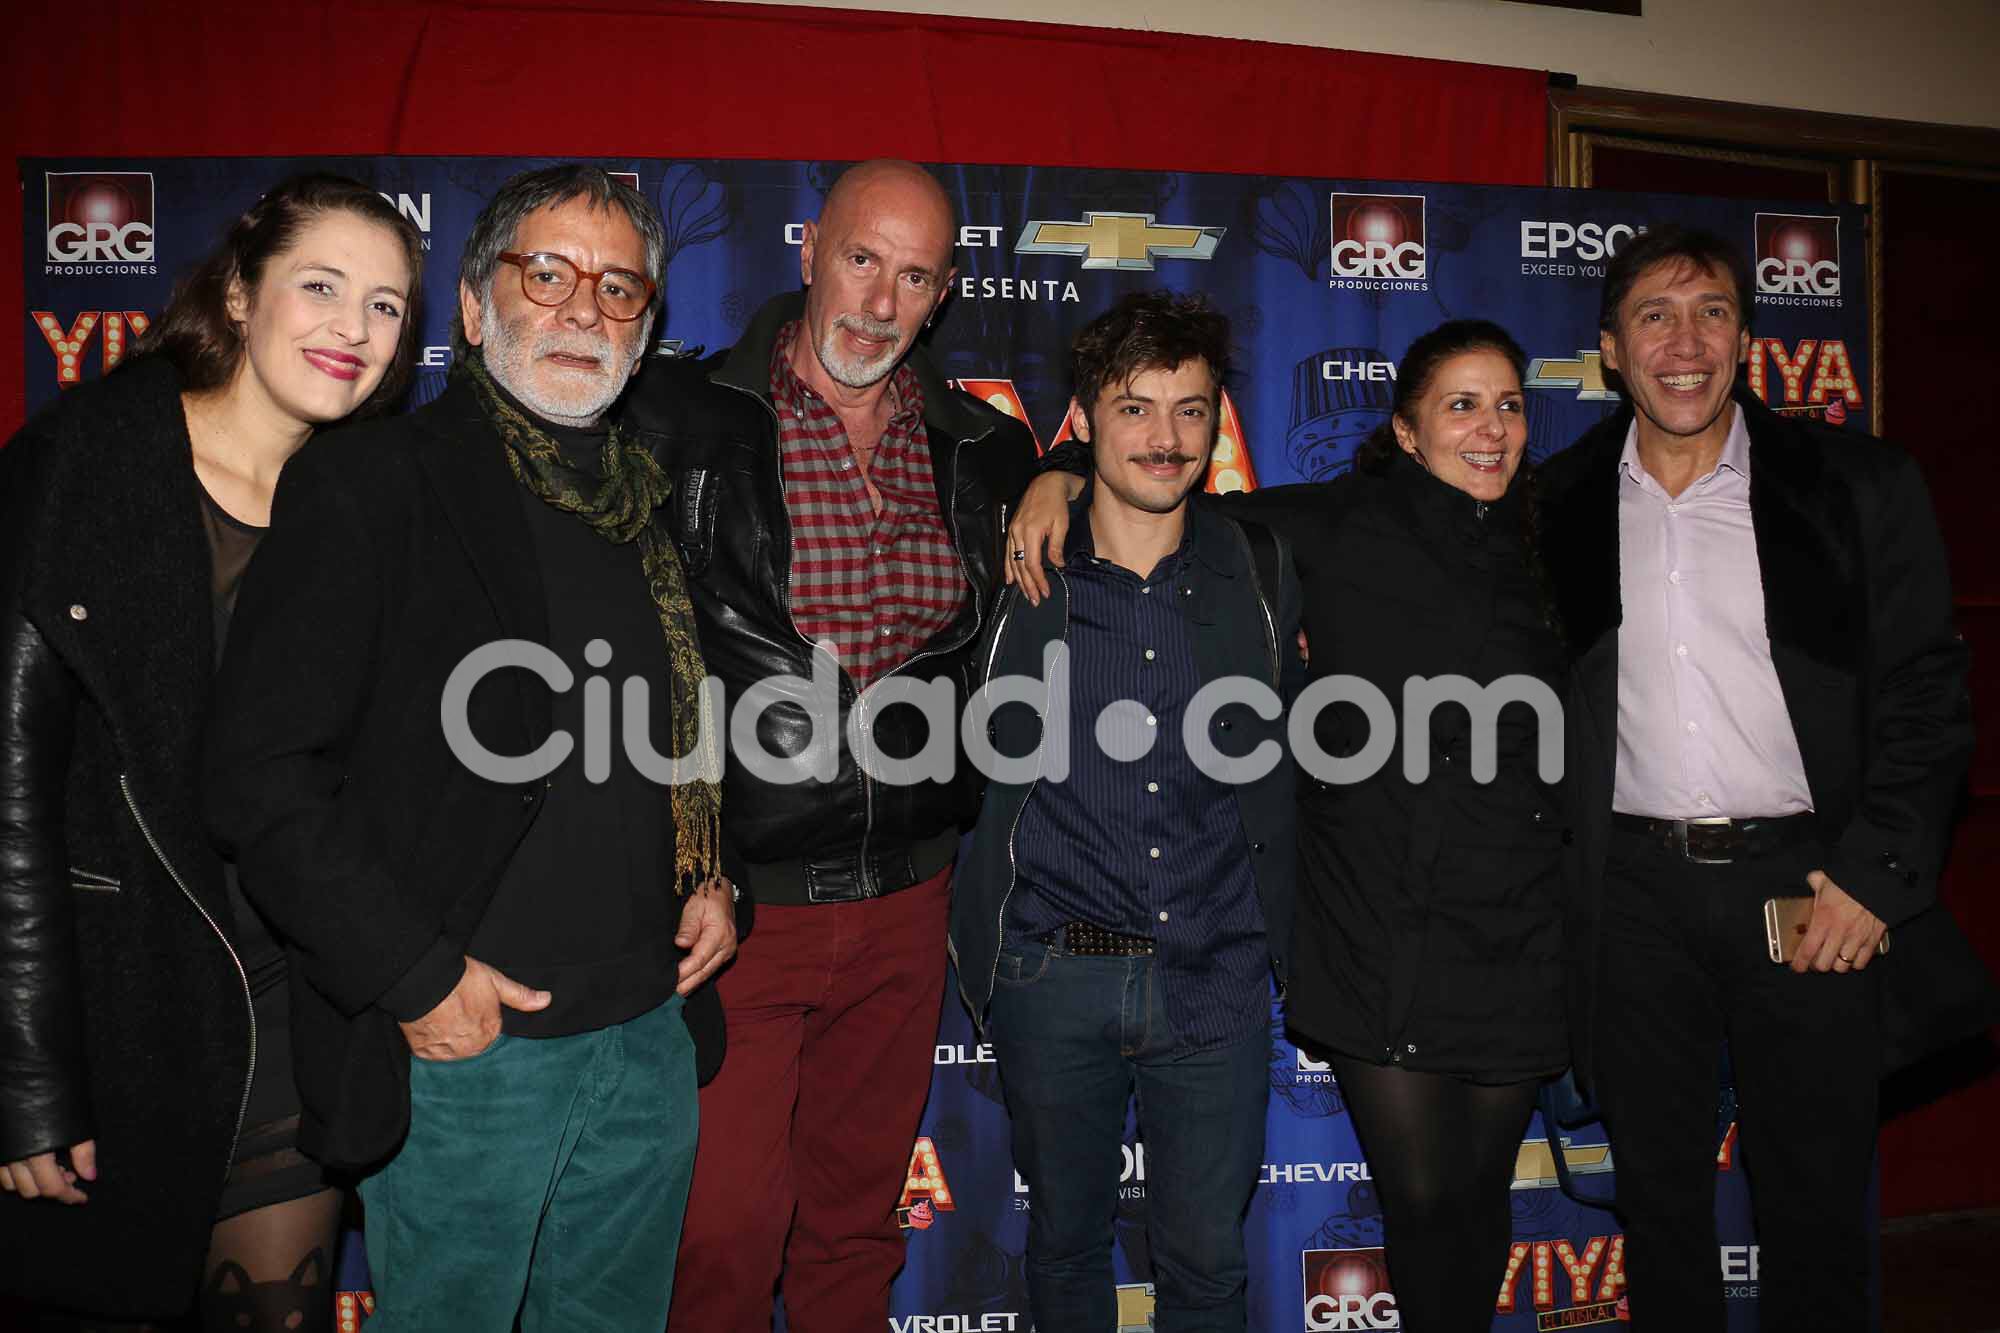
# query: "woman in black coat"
147, 1115
1426, 955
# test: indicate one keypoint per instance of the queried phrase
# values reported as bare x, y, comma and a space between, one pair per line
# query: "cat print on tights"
289, 1305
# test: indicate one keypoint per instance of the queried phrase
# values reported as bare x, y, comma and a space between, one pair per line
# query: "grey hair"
499, 223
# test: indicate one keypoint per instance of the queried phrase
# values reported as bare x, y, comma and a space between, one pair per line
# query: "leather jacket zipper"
249, 1006
1013, 861
784, 514
785, 600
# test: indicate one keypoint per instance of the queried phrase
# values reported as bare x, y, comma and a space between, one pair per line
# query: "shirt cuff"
425, 985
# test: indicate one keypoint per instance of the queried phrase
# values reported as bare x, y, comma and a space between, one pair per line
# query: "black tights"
269, 1270
1441, 1152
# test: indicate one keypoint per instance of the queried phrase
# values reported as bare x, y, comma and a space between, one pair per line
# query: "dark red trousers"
806, 1133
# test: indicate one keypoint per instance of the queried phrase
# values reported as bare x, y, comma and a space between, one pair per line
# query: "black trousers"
1685, 968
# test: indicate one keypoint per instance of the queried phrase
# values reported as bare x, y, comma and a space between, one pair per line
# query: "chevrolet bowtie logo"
1118, 240
1135, 1307
1535, 1165
1585, 375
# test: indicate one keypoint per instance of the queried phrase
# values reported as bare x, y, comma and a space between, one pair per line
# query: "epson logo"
99, 218
1378, 236
994, 1322
1798, 255
1326, 1313
1380, 371
1588, 240
1132, 1171
1740, 1263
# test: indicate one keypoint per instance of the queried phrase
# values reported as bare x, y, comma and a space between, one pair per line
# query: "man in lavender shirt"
1768, 700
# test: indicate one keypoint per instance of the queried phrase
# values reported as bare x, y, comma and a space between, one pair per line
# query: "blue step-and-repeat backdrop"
1326, 282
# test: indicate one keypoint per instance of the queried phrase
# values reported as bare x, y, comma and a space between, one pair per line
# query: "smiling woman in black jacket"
148, 1121
1426, 954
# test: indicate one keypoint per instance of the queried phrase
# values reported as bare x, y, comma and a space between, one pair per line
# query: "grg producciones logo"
1378, 243
1798, 259
99, 223
1348, 1289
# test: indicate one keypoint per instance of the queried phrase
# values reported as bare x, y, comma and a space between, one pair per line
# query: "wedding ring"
1020, 553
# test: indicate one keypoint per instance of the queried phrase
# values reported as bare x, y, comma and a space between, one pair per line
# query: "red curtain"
1939, 290
681, 78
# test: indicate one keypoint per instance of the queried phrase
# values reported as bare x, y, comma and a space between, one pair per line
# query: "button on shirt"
877, 584
1703, 730
1137, 840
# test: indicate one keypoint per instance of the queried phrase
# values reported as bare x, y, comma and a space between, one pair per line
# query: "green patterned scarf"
627, 505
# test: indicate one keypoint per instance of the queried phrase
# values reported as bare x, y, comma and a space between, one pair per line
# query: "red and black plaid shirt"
875, 585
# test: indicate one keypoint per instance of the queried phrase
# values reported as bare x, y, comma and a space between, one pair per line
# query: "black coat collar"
1443, 511
1210, 538
465, 461
1803, 523
115, 572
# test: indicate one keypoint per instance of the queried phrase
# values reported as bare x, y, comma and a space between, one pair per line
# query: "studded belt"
1087, 941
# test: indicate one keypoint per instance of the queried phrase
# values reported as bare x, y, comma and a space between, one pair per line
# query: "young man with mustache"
501, 1017
1116, 926
839, 504
1768, 701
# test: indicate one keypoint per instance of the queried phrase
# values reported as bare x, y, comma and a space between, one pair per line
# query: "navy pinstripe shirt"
1144, 845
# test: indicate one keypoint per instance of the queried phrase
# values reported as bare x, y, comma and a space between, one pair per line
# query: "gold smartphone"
1785, 922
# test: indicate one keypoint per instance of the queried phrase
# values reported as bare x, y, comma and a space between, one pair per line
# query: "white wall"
1930, 60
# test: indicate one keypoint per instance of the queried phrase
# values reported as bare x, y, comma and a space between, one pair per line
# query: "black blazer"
124, 1016
1858, 607
396, 548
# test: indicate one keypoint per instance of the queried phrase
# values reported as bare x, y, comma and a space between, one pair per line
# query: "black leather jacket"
712, 424
124, 1015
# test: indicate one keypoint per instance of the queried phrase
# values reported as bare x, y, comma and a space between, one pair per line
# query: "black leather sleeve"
1071, 456
44, 1098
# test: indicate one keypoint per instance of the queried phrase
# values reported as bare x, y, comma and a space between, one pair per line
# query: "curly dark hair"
196, 332
1158, 330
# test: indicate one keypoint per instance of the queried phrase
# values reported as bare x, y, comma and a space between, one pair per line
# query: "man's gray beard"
858, 374
509, 359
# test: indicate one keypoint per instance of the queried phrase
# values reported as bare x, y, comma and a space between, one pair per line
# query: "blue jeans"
1074, 1037
544, 1178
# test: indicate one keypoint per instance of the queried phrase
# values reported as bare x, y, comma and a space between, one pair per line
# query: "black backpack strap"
1267, 561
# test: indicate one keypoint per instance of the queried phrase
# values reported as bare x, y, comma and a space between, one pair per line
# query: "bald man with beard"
840, 510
